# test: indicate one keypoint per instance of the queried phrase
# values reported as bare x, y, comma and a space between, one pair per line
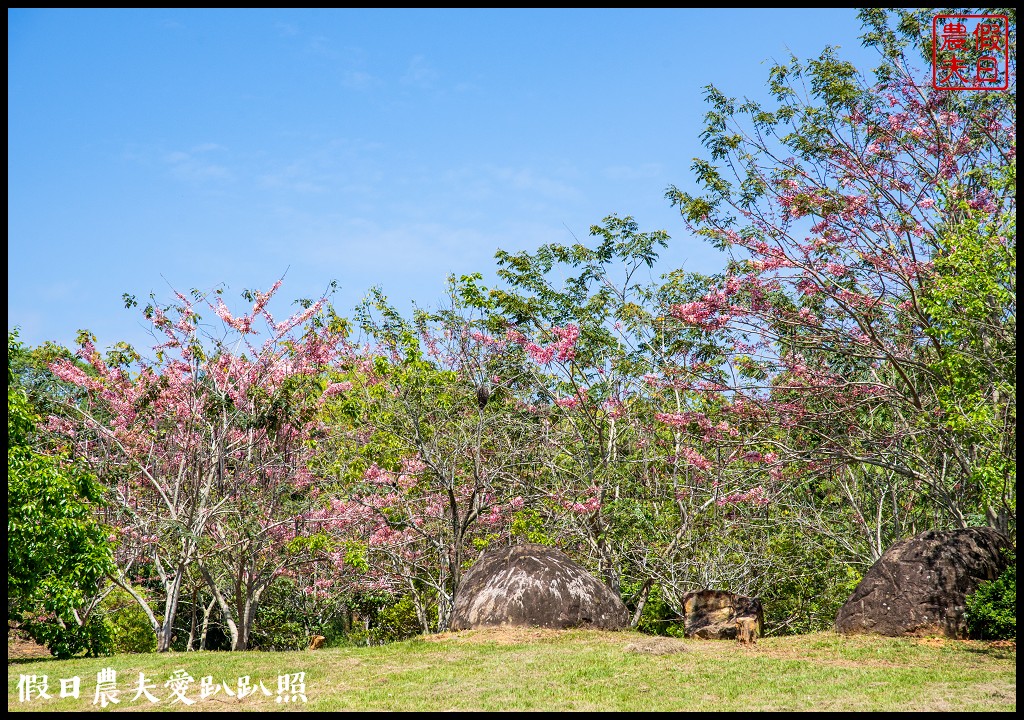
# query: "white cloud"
191, 167
342, 166
358, 80
420, 73
530, 181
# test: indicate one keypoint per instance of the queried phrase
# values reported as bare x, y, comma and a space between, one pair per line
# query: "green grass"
574, 670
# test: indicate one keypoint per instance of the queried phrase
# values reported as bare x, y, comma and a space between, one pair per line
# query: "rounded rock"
532, 585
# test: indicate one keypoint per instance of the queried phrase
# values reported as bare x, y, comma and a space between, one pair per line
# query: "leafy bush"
285, 620
992, 608
657, 618
396, 621
384, 617
808, 579
529, 525
129, 628
67, 640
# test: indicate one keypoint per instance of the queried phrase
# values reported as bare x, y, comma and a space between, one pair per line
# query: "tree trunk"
192, 624
641, 603
206, 623
161, 630
225, 609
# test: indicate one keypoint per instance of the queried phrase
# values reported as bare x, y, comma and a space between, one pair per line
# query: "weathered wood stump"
717, 615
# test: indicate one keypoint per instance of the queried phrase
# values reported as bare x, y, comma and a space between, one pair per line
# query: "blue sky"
151, 149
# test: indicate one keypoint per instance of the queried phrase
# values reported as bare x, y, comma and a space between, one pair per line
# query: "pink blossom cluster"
378, 476
486, 340
540, 355
589, 505
69, 372
493, 517
613, 408
413, 465
336, 389
60, 426
563, 349
432, 347
695, 459
708, 313
242, 324
756, 496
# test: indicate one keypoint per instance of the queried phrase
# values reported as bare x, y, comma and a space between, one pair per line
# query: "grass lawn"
573, 670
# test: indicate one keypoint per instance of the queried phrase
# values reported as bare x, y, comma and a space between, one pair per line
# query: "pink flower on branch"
336, 389
589, 505
562, 349
697, 460
69, 372
755, 496
242, 324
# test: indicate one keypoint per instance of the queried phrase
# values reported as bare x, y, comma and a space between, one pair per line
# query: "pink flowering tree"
595, 348
843, 329
430, 443
205, 450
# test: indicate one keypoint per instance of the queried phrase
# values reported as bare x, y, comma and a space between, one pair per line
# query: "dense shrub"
396, 621
129, 629
657, 618
67, 640
992, 608
284, 621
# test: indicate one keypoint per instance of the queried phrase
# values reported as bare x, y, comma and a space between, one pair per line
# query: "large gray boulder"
919, 586
532, 585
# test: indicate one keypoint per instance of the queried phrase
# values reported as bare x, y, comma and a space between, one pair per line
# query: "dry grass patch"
504, 635
658, 646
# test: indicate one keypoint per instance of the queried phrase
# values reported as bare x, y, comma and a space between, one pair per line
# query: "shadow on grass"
998, 649
29, 660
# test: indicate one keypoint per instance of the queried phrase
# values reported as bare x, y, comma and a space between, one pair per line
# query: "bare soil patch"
20, 647
505, 635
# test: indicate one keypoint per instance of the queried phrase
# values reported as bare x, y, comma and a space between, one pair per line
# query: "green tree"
971, 303
57, 552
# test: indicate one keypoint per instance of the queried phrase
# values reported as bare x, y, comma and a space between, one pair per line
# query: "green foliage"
396, 621
971, 305
379, 618
117, 626
129, 628
809, 582
481, 543
992, 609
355, 556
57, 552
529, 525
30, 367
69, 639
658, 617
280, 625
